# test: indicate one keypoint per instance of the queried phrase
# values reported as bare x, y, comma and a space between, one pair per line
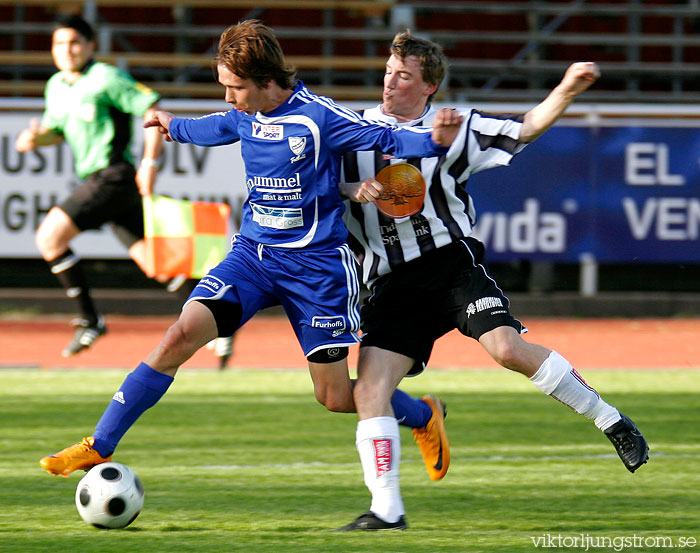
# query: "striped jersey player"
381, 243
427, 274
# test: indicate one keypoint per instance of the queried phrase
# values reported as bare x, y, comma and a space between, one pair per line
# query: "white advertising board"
31, 183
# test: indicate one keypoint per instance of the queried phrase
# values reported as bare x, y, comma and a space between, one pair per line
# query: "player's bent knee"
503, 355
173, 337
53, 235
508, 354
365, 392
329, 392
45, 240
504, 345
177, 342
337, 401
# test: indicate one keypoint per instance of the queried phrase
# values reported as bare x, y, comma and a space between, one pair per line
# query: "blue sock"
141, 389
410, 411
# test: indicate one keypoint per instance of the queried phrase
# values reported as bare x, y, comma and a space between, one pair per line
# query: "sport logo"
211, 283
382, 455
331, 323
119, 397
482, 304
277, 217
268, 132
297, 144
274, 184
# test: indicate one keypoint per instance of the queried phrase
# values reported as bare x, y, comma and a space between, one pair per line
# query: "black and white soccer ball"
110, 495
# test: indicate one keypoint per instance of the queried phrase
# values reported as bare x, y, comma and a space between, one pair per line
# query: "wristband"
149, 162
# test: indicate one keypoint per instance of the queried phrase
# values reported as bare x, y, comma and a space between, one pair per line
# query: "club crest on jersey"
268, 132
297, 144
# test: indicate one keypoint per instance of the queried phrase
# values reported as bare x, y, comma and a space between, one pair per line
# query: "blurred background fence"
504, 51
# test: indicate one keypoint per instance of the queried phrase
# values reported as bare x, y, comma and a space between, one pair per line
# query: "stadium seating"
499, 51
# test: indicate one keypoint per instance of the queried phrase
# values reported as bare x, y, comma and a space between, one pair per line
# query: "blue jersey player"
291, 250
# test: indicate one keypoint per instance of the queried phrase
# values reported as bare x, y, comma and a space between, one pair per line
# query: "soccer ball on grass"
110, 495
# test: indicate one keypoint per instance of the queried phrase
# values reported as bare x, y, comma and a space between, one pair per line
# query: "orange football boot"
78, 456
432, 440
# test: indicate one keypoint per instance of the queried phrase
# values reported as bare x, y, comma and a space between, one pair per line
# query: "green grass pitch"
248, 461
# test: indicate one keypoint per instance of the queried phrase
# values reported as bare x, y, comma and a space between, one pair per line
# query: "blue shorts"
319, 290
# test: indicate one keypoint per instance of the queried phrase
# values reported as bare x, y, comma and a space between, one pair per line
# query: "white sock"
379, 445
557, 378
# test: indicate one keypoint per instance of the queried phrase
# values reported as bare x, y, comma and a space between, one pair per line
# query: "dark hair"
433, 61
76, 22
250, 50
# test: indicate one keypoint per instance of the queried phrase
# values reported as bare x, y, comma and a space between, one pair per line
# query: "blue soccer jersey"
292, 158
292, 247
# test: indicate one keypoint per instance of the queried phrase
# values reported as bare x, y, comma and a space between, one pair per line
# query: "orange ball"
404, 190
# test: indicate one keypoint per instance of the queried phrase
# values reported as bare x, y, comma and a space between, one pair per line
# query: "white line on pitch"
491, 458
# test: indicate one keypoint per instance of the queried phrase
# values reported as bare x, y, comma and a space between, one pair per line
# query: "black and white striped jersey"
381, 243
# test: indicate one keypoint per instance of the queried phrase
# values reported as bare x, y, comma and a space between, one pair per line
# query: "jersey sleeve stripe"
342, 111
498, 141
517, 117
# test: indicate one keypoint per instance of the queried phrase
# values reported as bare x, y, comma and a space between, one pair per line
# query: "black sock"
70, 274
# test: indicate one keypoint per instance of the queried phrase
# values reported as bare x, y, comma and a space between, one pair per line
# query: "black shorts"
108, 196
428, 297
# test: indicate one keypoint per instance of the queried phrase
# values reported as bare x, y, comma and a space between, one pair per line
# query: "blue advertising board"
622, 194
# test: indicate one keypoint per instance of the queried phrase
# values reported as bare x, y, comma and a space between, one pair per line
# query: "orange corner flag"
183, 237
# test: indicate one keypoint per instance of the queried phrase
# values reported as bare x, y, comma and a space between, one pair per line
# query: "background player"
428, 276
291, 249
90, 105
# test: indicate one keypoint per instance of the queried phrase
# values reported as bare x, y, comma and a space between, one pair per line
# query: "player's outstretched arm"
446, 126
578, 78
161, 120
36, 136
152, 149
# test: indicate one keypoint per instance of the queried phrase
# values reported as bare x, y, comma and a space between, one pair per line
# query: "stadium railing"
503, 51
